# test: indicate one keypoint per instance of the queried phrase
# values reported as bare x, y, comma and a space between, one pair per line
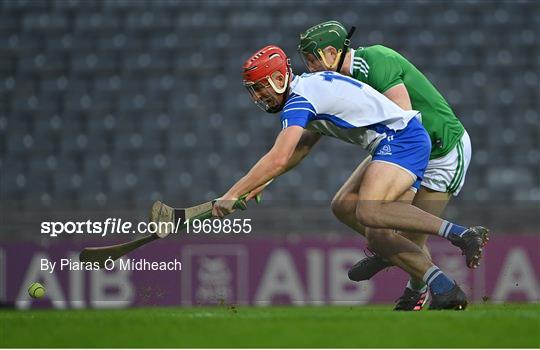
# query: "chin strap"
284, 94
336, 61
276, 88
345, 49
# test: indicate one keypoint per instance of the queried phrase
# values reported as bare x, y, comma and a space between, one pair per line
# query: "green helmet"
317, 38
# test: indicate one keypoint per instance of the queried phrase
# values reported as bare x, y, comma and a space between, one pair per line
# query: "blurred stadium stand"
108, 105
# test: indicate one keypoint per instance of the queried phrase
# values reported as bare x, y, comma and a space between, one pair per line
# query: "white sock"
444, 230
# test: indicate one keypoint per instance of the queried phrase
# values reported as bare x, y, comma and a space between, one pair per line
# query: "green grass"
509, 325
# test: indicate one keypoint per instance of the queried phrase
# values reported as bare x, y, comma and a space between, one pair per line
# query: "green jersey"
382, 68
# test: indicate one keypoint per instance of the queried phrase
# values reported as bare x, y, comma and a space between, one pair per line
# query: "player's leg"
384, 184
470, 241
397, 250
344, 208
403, 256
415, 294
406, 217
432, 202
378, 212
378, 207
443, 178
345, 200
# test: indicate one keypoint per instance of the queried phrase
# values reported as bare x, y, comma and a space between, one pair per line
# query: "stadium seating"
119, 100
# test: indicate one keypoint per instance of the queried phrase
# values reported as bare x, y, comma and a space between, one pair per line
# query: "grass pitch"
509, 325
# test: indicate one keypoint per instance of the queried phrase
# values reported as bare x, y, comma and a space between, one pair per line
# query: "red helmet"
259, 71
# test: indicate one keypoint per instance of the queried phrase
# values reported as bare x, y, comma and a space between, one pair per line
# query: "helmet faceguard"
314, 40
262, 74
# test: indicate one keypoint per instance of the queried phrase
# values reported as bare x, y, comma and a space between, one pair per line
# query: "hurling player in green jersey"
325, 46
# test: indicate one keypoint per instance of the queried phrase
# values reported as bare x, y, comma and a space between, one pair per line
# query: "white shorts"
447, 174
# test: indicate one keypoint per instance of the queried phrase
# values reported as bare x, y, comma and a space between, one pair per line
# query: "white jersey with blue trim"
342, 107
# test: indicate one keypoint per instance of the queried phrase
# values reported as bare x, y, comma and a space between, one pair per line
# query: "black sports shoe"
411, 300
471, 243
455, 299
367, 268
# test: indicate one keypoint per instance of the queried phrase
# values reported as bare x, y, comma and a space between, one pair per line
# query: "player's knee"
367, 213
337, 208
341, 207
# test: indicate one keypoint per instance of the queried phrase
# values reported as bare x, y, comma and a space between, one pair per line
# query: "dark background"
109, 105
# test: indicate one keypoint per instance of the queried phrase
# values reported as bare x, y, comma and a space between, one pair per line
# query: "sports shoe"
411, 300
367, 268
455, 299
471, 243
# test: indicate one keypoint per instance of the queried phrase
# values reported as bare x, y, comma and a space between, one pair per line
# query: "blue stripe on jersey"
308, 108
297, 111
295, 103
295, 97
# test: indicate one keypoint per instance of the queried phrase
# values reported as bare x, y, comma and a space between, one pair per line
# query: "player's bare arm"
400, 96
304, 146
271, 165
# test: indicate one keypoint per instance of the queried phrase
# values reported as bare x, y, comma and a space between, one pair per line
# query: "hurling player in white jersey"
328, 103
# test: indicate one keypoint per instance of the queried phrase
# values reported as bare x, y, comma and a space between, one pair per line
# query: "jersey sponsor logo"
361, 64
386, 150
